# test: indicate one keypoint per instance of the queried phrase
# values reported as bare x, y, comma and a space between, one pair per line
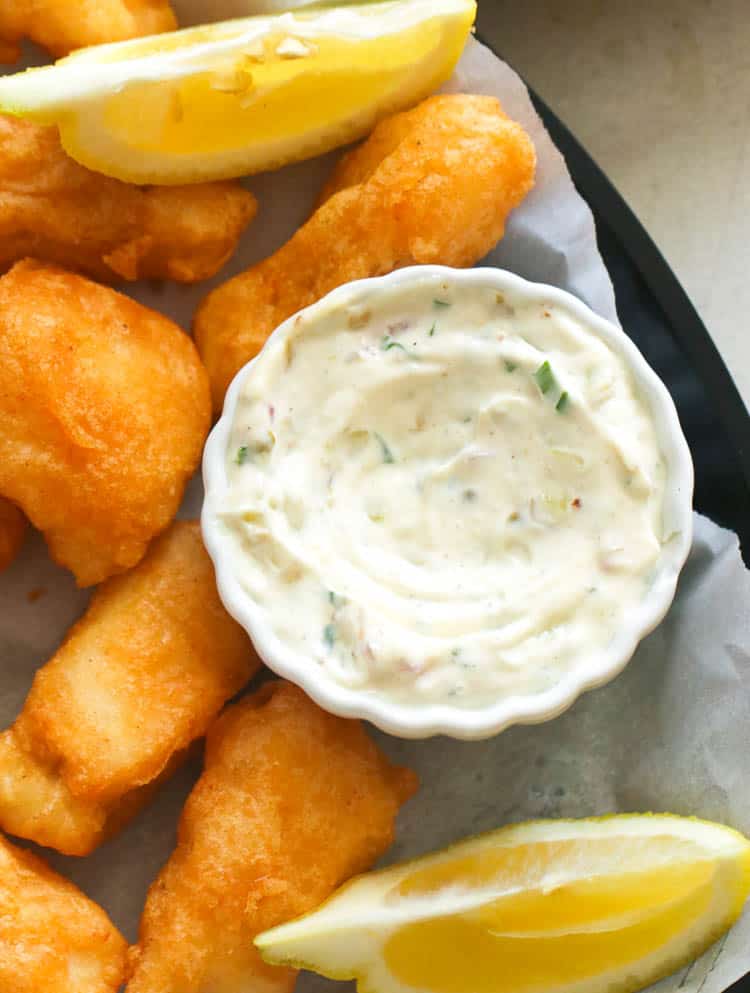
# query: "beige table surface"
658, 91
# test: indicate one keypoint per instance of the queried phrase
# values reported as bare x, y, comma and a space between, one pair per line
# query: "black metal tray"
657, 314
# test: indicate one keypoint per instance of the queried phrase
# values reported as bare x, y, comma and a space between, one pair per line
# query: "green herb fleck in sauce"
510, 366
562, 404
545, 378
329, 635
431, 332
388, 343
387, 453
335, 600
243, 454
441, 303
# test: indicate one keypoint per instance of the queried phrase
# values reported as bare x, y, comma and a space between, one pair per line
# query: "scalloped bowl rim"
424, 720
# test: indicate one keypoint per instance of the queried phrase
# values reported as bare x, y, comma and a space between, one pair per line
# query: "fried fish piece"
36, 803
55, 210
292, 802
431, 185
12, 532
61, 26
53, 939
104, 406
137, 679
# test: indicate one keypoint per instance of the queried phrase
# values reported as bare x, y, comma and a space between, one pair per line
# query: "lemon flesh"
242, 96
546, 907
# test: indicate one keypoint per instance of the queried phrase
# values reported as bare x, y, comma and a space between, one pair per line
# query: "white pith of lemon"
242, 96
546, 907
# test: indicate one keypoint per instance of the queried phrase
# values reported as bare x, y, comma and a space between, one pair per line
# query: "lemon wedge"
242, 96
546, 907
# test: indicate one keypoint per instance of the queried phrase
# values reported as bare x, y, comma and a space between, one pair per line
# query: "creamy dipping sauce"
442, 494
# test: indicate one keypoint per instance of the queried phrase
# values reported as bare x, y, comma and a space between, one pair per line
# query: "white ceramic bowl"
421, 720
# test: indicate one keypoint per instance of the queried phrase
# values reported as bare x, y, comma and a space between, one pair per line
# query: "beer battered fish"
63, 25
53, 939
431, 185
292, 802
12, 532
104, 407
136, 680
55, 210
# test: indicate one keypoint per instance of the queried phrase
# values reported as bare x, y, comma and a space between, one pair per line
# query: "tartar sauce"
442, 494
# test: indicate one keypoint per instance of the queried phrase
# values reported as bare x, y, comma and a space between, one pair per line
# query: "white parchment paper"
670, 734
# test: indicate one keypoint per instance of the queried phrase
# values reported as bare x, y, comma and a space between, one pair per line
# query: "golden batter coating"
53, 939
432, 185
105, 407
135, 682
292, 802
55, 210
63, 25
12, 532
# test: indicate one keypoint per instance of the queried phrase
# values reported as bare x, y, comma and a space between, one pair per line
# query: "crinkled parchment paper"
670, 734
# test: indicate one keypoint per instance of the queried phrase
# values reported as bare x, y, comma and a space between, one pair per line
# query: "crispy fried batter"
55, 210
432, 185
63, 25
53, 939
137, 679
292, 802
12, 532
437, 114
105, 408
36, 803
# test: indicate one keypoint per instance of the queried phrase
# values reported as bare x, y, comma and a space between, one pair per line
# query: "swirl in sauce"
441, 494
